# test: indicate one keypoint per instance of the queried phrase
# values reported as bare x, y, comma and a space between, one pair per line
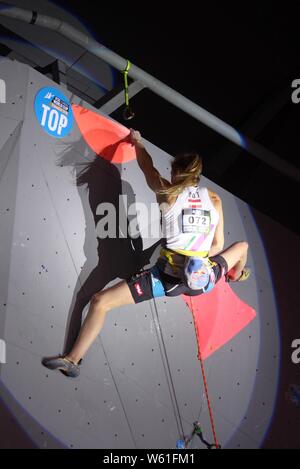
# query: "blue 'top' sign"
54, 112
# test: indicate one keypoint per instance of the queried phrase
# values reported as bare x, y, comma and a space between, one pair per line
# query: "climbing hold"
108, 139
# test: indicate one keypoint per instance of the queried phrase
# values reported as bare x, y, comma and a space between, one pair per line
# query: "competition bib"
195, 220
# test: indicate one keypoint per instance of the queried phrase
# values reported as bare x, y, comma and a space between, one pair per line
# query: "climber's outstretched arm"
154, 180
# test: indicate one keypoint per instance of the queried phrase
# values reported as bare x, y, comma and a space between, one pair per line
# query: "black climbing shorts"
154, 283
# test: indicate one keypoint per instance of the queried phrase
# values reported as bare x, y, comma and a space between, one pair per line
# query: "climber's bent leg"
101, 303
236, 258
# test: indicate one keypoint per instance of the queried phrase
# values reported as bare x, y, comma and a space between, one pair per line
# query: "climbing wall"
140, 384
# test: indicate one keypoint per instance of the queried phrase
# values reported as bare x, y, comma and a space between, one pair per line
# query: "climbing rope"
205, 383
184, 441
169, 375
127, 113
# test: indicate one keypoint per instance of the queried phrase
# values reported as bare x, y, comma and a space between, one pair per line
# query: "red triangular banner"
108, 139
219, 316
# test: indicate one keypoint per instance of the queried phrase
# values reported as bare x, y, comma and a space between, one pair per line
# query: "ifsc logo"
54, 112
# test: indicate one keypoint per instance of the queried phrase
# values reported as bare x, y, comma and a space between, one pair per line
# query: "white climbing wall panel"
140, 383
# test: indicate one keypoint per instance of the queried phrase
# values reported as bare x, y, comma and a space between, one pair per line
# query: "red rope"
205, 381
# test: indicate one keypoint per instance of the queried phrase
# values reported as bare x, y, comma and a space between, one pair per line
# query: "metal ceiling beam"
253, 126
158, 87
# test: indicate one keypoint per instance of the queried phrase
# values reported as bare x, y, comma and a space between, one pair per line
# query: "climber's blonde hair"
187, 168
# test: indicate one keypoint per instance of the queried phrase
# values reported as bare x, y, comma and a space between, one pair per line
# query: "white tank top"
190, 224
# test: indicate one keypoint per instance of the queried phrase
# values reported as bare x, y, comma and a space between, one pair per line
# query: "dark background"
232, 59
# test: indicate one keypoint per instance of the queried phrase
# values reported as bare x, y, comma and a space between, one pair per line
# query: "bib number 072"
195, 221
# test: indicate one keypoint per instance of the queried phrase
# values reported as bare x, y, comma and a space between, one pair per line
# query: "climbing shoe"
244, 276
62, 364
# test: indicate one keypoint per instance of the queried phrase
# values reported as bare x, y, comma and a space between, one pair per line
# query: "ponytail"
187, 169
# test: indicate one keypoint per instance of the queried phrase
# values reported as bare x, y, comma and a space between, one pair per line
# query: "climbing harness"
183, 444
176, 259
127, 113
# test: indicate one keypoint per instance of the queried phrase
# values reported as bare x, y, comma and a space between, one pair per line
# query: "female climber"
191, 261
